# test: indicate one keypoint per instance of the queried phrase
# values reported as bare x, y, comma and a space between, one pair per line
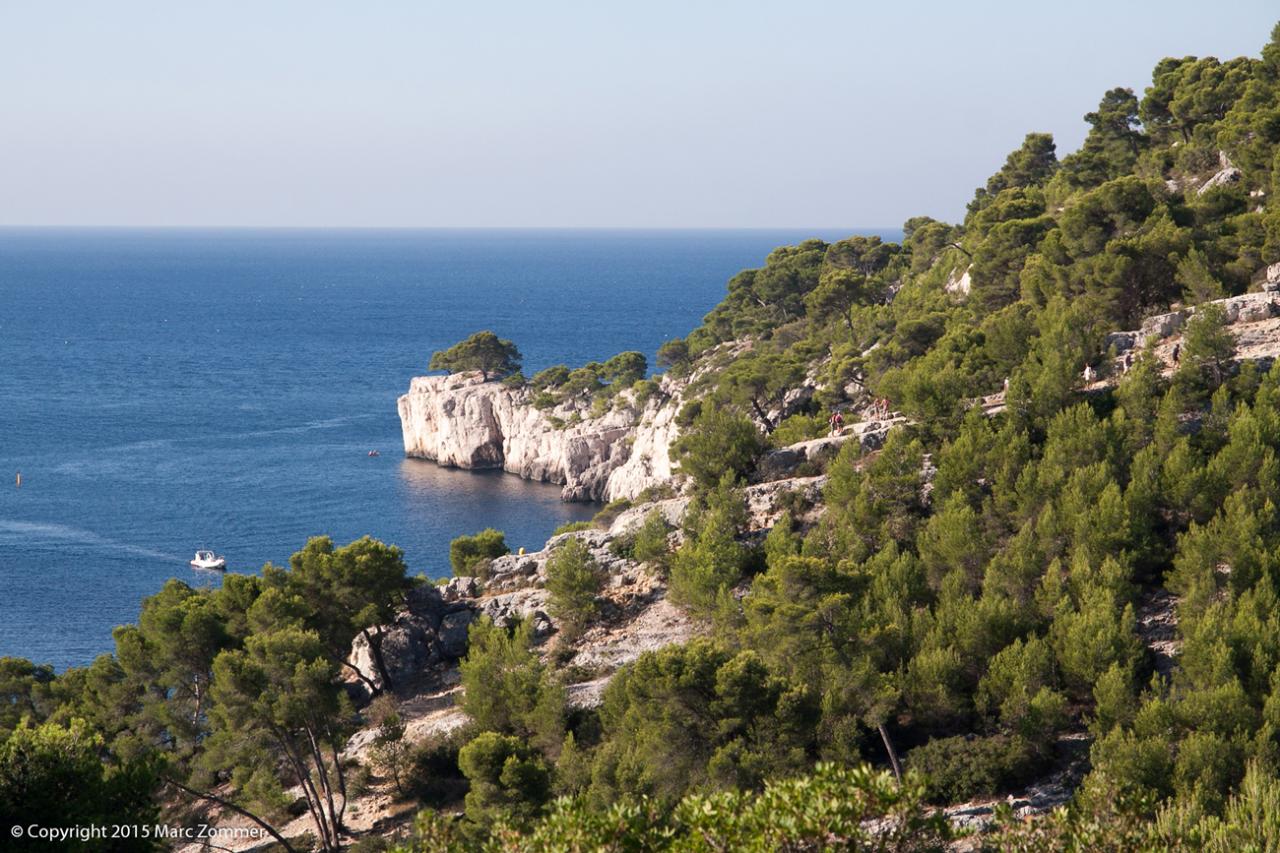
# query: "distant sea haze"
168, 390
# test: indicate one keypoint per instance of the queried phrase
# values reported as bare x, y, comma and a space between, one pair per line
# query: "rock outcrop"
959, 282
1253, 319
787, 462
429, 632
461, 421
428, 637
1227, 174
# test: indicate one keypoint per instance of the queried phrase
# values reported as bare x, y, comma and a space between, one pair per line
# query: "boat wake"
34, 530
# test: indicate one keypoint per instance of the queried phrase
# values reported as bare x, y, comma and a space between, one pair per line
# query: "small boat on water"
374, 453
208, 560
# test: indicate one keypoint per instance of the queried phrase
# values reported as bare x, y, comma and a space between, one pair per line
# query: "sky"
391, 113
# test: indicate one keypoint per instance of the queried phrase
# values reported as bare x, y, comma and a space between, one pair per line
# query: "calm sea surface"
162, 391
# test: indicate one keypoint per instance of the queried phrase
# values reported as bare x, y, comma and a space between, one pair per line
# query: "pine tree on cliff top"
483, 351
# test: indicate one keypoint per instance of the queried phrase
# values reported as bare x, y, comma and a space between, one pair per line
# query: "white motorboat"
208, 560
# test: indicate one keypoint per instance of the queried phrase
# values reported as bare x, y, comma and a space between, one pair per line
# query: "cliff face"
461, 421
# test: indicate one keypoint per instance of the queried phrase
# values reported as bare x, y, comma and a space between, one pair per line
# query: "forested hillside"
1063, 561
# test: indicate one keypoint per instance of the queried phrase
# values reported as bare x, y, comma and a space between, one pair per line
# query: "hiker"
1089, 374
837, 422
1177, 352
1006, 386
1126, 363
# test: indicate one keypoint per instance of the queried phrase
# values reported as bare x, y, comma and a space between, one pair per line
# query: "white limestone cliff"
464, 422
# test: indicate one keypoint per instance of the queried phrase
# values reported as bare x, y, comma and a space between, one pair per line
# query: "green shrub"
660, 492
963, 767
625, 369
433, 777
624, 546
483, 351
574, 580
551, 377
573, 527
651, 543
389, 750
717, 442
509, 781
644, 389
797, 428
370, 844
674, 354
605, 517
359, 781
697, 716
710, 560
506, 686
470, 555
832, 808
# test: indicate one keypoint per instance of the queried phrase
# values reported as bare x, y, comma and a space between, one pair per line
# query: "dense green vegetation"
483, 351
573, 579
970, 595
470, 555
236, 685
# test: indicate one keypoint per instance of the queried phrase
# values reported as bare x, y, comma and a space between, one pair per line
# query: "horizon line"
144, 227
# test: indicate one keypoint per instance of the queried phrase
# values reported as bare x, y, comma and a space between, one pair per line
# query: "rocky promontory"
463, 421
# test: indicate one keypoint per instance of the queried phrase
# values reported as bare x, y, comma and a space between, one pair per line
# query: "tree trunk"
893, 753
768, 424
314, 804
374, 690
322, 771
342, 779
375, 645
214, 798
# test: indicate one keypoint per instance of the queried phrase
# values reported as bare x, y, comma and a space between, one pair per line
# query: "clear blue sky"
651, 114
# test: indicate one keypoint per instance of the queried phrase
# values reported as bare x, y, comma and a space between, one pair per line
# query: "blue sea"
168, 390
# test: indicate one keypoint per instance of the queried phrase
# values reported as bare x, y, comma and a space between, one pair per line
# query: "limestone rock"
413, 642
464, 422
459, 588
1162, 325
767, 501
785, 462
1272, 281
671, 509
1227, 174
959, 283
609, 647
406, 651
512, 607
1122, 342
649, 463
452, 636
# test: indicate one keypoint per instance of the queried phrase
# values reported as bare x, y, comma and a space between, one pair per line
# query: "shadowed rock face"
429, 631
461, 421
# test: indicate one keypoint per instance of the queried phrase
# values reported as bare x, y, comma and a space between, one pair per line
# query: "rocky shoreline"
463, 421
